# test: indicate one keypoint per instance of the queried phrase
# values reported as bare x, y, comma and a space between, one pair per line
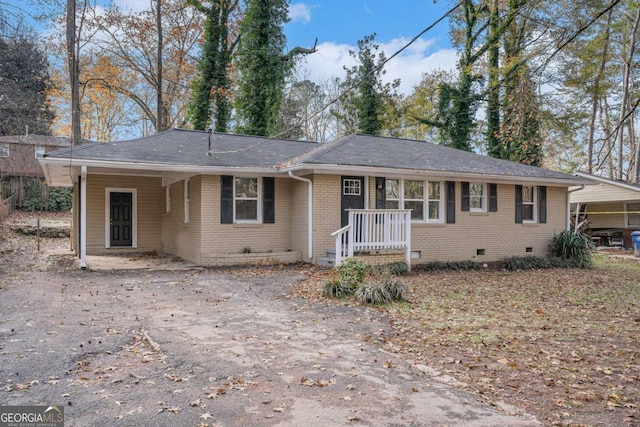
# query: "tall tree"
24, 83
212, 88
370, 98
155, 45
261, 66
73, 53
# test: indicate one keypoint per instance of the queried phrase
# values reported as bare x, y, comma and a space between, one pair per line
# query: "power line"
356, 84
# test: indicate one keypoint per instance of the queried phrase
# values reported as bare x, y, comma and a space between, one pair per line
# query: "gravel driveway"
207, 348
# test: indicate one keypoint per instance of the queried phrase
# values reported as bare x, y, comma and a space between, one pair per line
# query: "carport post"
83, 218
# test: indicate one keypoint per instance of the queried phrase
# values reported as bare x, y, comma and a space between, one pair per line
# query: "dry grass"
561, 344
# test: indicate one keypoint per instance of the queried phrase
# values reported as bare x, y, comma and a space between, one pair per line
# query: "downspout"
310, 207
83, 218
569, 205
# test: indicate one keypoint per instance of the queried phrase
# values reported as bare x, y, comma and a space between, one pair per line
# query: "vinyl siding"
149, 212
604, 192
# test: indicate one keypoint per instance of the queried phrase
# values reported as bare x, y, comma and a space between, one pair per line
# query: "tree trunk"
626, 73
74, 72
493, 105
160, 113
596, 92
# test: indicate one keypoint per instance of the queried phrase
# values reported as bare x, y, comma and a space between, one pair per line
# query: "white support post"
352, 236
83, 218
407, 221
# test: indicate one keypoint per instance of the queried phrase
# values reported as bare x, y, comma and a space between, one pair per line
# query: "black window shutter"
464, 205
226, 200
542, 205
493, 197
381, 193
269, 200
519, 204
451, 202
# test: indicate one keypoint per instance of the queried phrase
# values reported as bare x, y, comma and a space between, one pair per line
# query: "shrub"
526, 262
396, 288
450, 265
337, 289
60, 199
572, 246
372, 293
33, 200
352, 272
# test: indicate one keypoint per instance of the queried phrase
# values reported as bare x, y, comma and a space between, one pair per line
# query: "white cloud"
409, 66
298, 12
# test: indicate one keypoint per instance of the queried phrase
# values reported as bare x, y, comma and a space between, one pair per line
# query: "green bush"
352, 272
60, 199
337, 289
572, 247
526, 263
396, 288
450, 265
372, 293
32, 200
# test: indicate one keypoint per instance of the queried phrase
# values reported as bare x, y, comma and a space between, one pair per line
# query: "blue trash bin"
635, 238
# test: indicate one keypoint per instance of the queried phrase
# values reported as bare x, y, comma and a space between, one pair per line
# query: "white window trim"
167, 199
5, 150
425, 200
258, 220
353, 182
626, 215
39, 152
483, 201
187, 200
535, 205
107, 215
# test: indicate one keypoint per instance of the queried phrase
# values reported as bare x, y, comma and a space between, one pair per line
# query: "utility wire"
354, 85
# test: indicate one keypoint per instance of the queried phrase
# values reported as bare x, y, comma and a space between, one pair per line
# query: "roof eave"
451, 175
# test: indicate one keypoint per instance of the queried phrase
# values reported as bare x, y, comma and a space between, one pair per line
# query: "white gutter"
83, 218
569, 205
310, 207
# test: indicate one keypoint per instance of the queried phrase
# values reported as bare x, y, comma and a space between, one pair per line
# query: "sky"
339, 24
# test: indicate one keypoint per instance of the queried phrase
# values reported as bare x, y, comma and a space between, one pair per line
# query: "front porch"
378, 231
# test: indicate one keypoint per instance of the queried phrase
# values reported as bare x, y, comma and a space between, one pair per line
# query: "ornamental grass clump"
373, 293
572, 247
352, 272
337, 289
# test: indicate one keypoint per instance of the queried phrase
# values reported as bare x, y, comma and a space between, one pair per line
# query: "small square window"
39, 152
4, 150
351, 187
633, 214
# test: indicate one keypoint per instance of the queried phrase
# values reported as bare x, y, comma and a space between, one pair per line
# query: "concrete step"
326, 262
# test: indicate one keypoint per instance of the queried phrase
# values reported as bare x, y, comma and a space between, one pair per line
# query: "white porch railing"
374, 230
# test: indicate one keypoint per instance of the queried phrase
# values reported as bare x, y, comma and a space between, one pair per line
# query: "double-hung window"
246, 200
477, 197
528, 203
424, 198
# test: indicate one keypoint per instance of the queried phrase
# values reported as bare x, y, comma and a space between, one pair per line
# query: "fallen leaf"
206, 416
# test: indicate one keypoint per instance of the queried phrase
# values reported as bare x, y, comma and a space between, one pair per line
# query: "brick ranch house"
218, 199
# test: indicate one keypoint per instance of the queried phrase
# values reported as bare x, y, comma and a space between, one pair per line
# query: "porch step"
326, 262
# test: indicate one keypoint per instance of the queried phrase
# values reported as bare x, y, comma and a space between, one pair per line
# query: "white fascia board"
450, 176
154, 167
595, 180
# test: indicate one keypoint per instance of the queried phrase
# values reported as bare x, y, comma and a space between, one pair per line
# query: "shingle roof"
41, 140
189, 148
374, 151
179, 147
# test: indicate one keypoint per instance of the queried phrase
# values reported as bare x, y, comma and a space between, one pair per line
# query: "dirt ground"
199, 347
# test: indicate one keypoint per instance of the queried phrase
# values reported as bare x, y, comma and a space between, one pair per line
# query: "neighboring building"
610, 210
18, 160
254, 199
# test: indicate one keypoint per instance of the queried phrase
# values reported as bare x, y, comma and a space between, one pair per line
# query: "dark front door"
121, 225
352, 195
